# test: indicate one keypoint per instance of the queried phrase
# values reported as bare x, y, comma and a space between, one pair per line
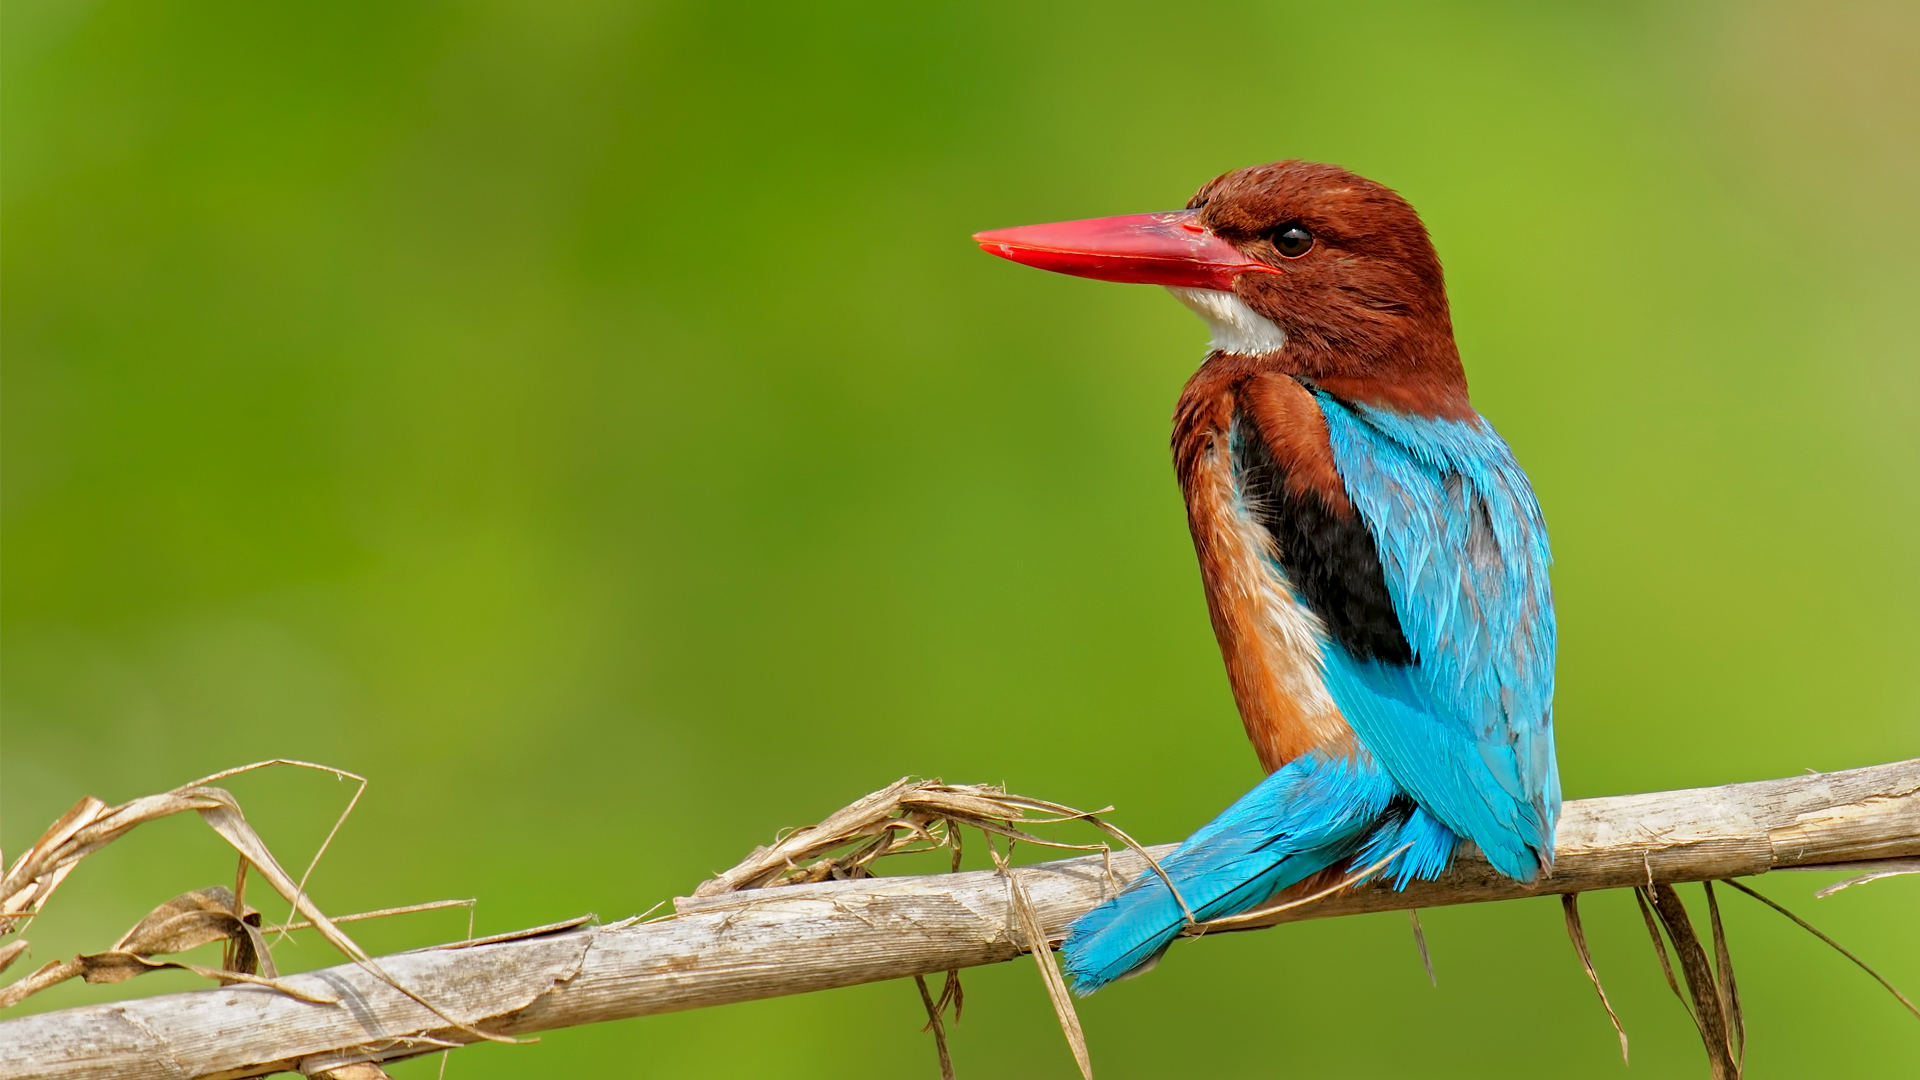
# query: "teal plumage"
1467, 729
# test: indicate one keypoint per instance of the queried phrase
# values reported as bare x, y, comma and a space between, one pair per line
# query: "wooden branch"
790, 940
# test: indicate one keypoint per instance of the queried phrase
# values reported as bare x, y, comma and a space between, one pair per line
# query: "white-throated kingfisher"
1374, 560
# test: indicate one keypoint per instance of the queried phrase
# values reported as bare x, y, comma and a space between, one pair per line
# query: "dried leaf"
1660, 950
1884, 868
1809, 928
1420, 940
1000, 829
187, 921
11, 951
938, 1028
102, 829
855, 822
224, 977
247, 953
223, 814
113, 967
952, 803
1709, 1017
894, 820
30, 881
951, 991
410, 909
91, 825
1037, 944
50, 974
519, 935
1570, 902
1729, 989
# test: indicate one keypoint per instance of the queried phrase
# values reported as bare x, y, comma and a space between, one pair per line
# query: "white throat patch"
1236, 327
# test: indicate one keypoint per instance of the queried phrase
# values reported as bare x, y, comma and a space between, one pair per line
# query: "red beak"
1149, 249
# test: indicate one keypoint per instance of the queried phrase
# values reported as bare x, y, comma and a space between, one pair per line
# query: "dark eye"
1293, 240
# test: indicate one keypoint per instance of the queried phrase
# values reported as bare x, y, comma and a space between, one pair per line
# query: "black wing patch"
1329, 558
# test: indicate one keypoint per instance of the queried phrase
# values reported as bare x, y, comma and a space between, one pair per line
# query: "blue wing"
1467, 729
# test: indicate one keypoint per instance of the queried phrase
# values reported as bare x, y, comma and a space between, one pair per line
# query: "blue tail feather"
1311, 814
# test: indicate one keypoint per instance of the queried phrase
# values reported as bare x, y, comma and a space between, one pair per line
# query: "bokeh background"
590, 422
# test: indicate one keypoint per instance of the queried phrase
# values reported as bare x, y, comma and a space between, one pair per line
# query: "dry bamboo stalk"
789, 940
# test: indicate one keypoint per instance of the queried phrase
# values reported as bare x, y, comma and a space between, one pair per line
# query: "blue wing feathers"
1458, 744
1467, 730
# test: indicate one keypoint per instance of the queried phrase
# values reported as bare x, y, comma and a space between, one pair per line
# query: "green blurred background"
590, 422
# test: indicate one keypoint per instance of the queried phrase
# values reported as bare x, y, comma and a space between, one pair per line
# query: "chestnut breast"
1287, 563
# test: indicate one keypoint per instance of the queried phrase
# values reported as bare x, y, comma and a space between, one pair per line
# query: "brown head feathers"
1364, 306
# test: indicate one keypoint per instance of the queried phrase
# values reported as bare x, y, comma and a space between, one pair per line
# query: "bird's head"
1307, 268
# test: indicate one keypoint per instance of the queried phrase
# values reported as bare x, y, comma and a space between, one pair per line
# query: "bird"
1374, 559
